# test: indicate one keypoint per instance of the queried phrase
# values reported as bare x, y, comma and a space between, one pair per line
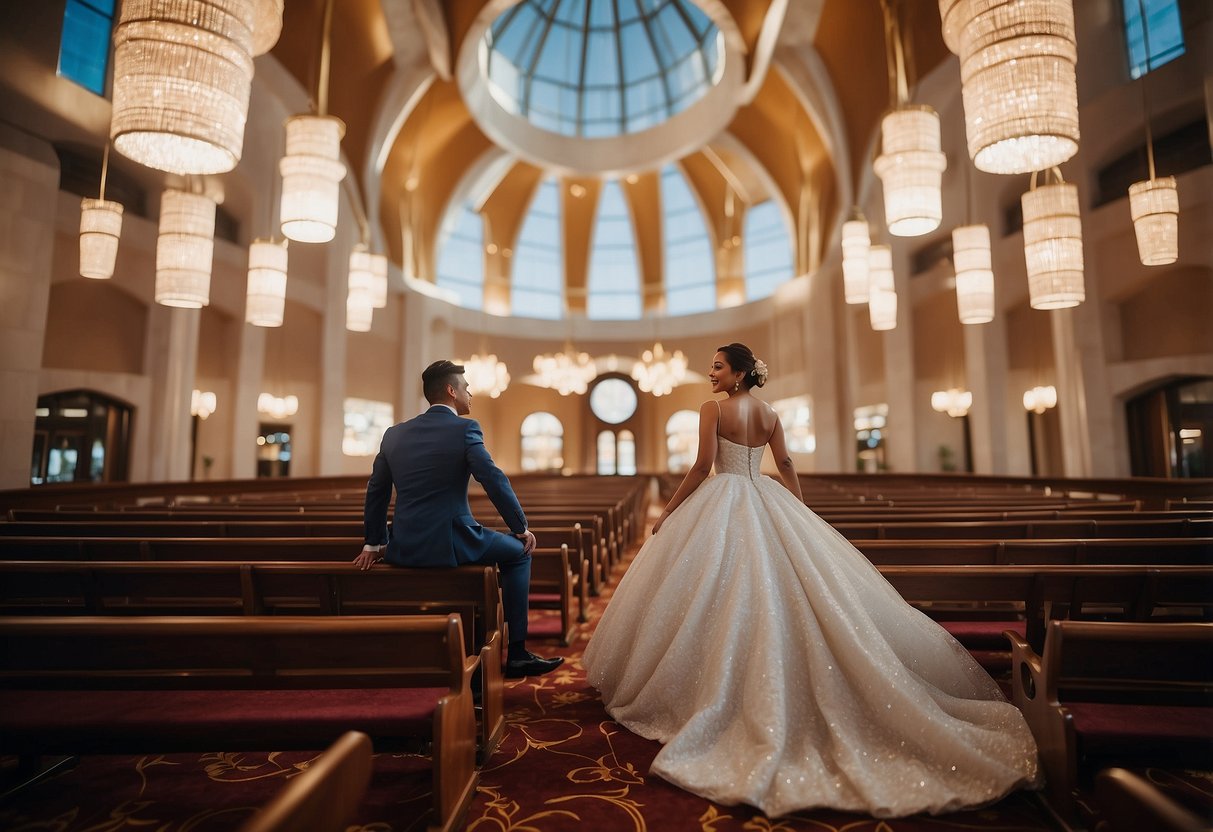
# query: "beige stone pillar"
331, 398
250, 373
29, 170
1092, 426
903, 451
824, 346
172, 358
987, 378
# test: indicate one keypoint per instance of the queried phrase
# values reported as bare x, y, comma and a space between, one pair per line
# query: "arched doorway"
80, 436
1171, 429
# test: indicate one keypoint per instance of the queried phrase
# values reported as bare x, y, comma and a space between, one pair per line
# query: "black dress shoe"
532, 665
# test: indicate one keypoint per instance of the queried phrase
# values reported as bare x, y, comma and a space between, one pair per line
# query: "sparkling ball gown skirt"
780, 669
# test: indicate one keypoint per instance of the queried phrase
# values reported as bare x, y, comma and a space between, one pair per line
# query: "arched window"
768, 250
681, 440
614, 281
625, 454
606, 453
542, 442
461, 257
537, 267
690, 267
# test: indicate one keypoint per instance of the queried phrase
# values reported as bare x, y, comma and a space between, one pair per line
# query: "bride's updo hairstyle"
741, 358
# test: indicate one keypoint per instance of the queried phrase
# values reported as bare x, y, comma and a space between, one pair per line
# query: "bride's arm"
708, 415
787, 471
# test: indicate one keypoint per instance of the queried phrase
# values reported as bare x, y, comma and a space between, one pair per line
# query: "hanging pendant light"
911, 168
1040, 399
359, 313
182, 75
1018, 81
185, 249
1154, 205
311, 178
882, 293
100, 228
267, 25
1052, 241
954, 402
266, 300
974, 274
360, 301
856, 240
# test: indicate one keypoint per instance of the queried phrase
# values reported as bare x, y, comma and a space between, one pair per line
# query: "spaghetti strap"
717, 403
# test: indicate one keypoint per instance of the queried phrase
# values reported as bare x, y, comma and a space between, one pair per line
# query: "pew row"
1115, 693
76, 686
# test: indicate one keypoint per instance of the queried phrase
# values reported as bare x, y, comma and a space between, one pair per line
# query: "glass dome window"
599, 68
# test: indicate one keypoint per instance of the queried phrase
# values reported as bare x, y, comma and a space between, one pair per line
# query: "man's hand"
368, 556
528, 541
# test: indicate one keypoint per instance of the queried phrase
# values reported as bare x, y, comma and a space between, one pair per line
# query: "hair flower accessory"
760, 370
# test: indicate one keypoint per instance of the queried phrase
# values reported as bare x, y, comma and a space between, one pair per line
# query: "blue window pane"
768, 250
461, 258
85, 44
537, 267
690, 263
614, 281
1163, 26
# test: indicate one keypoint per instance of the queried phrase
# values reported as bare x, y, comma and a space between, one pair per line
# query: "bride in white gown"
772, 660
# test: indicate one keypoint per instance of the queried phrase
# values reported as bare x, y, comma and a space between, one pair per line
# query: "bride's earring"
737, 386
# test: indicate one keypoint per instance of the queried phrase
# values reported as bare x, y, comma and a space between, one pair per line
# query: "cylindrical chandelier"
856, 240
359, 312
360, 300
266, 283
182, 74
1154, 205
974, 274
100, 228
882, 293
185, 249
911, 167
1052, 242
267, 25
1018, 82
311, 177
379, 280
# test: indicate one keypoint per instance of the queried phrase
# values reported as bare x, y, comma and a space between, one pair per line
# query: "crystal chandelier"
882, 293
565, 372
1052, 241
658, 373
360, 302
100, 227
1018, 82
1040, 399
486, 375
311, 178
974, 274
184, 249
911, 168
955, 403
267, 25
182, 75
856, 240
1154, 205
277, 407
266, 283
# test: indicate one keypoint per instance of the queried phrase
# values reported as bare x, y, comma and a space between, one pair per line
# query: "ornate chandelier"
182, 75
1018, 82
1052, 241
565, 372
882, 293
955, 403
856, 240
1040, 399
658, 373
486, 375
911, 168
266, 283
974, 274
185, 249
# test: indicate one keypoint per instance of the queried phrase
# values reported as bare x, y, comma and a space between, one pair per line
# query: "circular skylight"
601, 68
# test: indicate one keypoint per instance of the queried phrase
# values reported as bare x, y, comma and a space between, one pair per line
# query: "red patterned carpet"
563, 765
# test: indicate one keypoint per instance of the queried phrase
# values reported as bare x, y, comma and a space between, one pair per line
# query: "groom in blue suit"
428, 459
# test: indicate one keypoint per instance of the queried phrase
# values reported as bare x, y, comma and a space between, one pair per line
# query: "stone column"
987, 377
29, 170
331, 395
899, 376
250, 373
172, 357
824, 342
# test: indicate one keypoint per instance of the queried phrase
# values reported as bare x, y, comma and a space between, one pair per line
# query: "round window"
613, 400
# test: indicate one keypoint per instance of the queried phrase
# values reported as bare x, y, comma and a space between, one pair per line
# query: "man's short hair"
436, 377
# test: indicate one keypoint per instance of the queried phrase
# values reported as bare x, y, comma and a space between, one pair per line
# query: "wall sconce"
1040, 399
277, 408
202, 404
955, 403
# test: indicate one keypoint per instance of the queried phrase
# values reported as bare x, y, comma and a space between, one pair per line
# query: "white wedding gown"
781, 670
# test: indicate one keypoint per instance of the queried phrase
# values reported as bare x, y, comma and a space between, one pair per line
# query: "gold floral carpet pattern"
562, 765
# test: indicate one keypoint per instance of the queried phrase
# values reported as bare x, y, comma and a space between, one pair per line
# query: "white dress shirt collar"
447, 406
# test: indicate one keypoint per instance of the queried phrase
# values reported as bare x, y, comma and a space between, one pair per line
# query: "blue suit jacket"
428, 459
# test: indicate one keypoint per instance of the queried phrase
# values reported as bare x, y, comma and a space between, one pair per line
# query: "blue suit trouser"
514, 569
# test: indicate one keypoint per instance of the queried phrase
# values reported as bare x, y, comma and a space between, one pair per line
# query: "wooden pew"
75, 685
1112, 693
325, 796
1189, 550
62, 588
